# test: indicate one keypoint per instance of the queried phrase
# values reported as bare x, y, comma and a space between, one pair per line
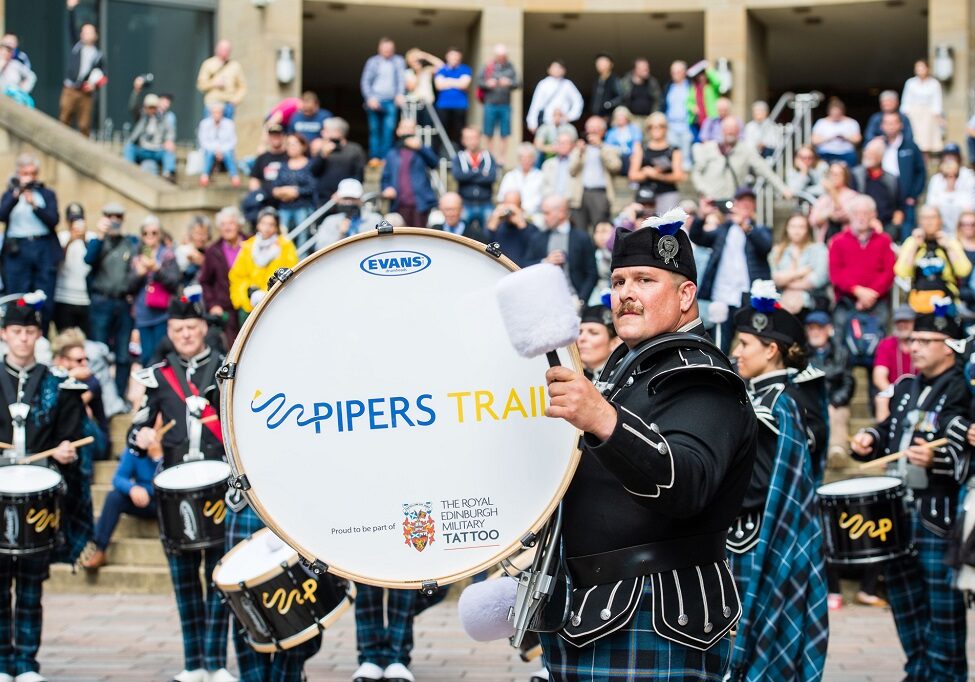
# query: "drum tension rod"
318, 567
429, 587
529, 541
240, 482
494, 249
227, 371
280, 275
384, 227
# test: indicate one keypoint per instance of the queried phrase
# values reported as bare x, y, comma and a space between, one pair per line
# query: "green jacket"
711, 95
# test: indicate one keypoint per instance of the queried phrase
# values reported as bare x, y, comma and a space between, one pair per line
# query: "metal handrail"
780, 105
317, 215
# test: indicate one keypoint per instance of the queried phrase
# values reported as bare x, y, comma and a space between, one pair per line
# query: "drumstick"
166, 427
47, 453
897, 455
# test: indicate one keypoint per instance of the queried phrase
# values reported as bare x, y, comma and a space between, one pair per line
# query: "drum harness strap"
183, 387
27, 386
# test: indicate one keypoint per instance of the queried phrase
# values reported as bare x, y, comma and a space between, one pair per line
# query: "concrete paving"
131, 638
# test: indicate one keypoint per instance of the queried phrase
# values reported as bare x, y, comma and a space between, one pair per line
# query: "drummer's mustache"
629, 307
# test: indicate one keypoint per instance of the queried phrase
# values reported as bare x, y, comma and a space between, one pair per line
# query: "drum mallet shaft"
897, 455
165, 428
87, 440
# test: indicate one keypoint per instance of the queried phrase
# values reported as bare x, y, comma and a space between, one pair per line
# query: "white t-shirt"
836, 133
72, 286
731, 278
528, 185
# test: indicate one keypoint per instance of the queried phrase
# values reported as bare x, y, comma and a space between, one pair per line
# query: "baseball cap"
904, 313
275, 129
820, 317
113, 208
151, 100
74, 211
745, 191
350, 188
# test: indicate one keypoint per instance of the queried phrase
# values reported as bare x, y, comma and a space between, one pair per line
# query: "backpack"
863, 334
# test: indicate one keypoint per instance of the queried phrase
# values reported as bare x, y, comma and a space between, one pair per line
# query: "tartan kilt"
634, 652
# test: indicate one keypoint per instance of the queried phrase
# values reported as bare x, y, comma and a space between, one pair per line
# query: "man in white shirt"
525, 179
555, 91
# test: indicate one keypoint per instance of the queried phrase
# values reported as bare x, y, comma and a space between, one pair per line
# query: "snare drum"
423, 456
31, 497
280, 602
190, 503
865, 520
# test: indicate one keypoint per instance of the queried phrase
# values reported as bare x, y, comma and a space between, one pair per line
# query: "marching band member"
776, 542
44, 410
188, 371
928, 612
667, 456
597, 339
384, 633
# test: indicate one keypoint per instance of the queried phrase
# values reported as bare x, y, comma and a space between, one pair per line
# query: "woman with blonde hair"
800, 266
657, 165
831, 211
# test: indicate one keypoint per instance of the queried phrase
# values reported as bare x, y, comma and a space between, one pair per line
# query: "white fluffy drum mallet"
484, 607
538, 310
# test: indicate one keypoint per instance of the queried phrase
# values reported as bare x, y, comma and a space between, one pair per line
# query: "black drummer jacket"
930, 408
161, 398
56, 408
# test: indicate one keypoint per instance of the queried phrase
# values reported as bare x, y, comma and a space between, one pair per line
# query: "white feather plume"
674, 215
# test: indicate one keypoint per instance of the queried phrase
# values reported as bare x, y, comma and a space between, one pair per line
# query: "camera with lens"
724, 205
350, 211
147, 79
15, 185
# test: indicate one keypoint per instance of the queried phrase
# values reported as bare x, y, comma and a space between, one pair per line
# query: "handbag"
157, 297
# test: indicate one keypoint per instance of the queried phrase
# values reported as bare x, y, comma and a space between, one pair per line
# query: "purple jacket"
215, 280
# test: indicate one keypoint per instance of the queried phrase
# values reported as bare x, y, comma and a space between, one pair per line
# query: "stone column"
257, 34
950, 23
501, 24
726, 34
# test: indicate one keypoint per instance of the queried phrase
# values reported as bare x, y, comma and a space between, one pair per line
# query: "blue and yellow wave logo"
394, 263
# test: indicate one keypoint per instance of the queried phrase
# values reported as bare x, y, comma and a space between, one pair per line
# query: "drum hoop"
230, 443
195, 489
33, 494
260, 579
858, 495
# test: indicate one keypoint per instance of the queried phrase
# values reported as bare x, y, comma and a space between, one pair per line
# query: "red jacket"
852, 264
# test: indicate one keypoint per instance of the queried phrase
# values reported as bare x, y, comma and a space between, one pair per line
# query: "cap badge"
759, 322
667, 248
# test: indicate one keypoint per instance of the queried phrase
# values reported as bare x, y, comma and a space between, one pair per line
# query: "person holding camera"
348, 217
110, 254
335, 158
72, 304
511, 228
592, 166
153, 139
31, 250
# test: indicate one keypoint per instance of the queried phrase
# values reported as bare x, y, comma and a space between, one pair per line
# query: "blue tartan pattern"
283, 666
928, 611
384, 635
20, 626
784, 625
203, 615
79, 518
634, 652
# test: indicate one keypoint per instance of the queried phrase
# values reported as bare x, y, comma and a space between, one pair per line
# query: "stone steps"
121, 579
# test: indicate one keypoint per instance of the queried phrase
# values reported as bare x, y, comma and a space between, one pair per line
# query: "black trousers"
67, 315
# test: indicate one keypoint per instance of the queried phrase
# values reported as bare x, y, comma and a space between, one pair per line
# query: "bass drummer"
189, 370
44, 410
928, 612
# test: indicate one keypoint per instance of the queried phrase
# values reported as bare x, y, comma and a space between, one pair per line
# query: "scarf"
263, 251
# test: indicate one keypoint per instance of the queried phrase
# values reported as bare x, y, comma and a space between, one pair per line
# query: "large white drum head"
858, 486
27, 478
254, 557
190, 475
385, 424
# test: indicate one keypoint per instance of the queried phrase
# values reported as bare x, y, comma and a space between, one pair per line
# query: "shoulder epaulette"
72, 384
147, 375
809, 374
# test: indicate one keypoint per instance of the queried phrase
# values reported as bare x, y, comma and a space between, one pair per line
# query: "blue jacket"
914, 175
873, 127
581, 259
758, 243
134, 469
423, 159
475, 182
47, 215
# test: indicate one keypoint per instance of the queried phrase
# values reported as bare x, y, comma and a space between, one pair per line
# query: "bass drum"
380, 421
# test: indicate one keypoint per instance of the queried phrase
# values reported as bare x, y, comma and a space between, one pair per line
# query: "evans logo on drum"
395, 263
189, 520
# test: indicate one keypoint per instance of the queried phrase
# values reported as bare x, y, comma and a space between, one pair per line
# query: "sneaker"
198, 675
397, 672
4, 677
95, 561
540, 676
29, 677
870, 600
834, 601
222, 675
367, 672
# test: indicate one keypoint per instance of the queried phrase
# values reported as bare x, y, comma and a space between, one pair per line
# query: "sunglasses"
150, 233
114, 215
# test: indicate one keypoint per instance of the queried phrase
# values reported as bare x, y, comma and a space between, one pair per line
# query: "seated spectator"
214, 275
871, 179
966, 235
836, 136
903, 159
452, 207
950, 193
282, 112
890, 102
68, 350
739, 256
657, 166
452, 81
217, 137
800, 267
805, 178
259, 257
892, 361
568, 247
524, 179
970, 132
294, 188
152, 139
475, 171
719, 168
12, 43
556, 179
952, 151
624, 135
310, 118
268, 164
336, 158
592, 165
190, 254
155, 279
934, 262
31, 250
16, 78
833, 359
348, 217
831, 211
547, 135
601, 236
132, 493
861, 268
405, 179
511, 227
760, 132
71, 299
711, 130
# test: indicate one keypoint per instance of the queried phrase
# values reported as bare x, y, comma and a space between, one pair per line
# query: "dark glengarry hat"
942, 320
599, 314
189, 306
660, 243
762, 316
25, 311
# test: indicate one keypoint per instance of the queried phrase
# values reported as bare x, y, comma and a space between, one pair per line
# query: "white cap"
350, 188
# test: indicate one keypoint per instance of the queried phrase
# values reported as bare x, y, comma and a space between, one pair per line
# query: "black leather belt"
640, 560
